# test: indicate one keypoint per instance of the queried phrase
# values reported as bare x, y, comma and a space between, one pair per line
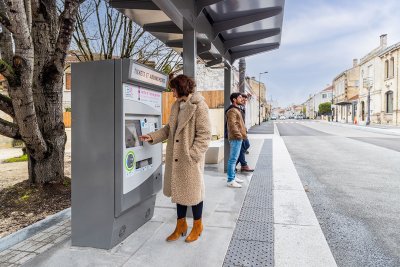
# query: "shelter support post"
227, 102
189, 50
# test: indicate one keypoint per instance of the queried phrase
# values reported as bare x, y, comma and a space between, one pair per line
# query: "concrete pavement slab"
293, 207
299, 240
297, 245
209, 250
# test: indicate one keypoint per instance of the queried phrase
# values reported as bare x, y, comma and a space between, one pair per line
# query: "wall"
390, 84
372, 68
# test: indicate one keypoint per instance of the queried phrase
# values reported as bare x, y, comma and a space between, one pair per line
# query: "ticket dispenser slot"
116, 176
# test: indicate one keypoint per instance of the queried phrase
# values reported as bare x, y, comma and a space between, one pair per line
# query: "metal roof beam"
178, 10
204, 27
137, 4
165, 27
214, 62
261, 14
253, 51
201, 4
249, 37
201, 47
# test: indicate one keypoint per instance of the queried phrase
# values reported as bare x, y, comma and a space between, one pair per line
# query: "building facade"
346, 92
322, 97
390, 98
371, 85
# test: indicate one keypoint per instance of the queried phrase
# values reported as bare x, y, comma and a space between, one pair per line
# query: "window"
391, 68
68, 81
323, 95
389, 102
386, 69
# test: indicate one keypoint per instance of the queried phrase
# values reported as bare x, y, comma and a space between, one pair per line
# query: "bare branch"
6, 46
28, 11
4, 20
67, 21
6, 105
9, 129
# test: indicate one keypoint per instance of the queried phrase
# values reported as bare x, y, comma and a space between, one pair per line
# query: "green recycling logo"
130, 161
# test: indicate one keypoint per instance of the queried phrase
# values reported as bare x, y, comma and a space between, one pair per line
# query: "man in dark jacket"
245, 142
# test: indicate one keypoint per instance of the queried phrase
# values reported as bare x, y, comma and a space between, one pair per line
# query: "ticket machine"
115, 176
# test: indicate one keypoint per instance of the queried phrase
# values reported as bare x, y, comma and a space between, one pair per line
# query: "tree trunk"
51, 168
41, 38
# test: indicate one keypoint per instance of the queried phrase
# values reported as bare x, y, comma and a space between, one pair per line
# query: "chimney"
355, 62
383, 40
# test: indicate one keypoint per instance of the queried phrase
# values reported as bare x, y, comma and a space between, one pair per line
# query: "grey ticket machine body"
115, 176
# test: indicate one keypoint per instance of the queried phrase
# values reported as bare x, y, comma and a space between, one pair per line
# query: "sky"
320, 39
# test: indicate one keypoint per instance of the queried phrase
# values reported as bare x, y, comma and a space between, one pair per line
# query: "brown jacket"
187, 144
236, 128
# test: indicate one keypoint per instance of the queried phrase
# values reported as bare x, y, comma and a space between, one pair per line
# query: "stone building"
346, 91
390, 113
371, 83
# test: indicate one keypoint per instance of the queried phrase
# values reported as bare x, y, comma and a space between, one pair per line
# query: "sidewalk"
292, 236
375, 128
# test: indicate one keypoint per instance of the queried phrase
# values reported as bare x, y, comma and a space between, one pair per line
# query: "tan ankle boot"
196, 231
180, 230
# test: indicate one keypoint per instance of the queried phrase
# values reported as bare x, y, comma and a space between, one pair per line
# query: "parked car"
273, 117
282, 117
299, 117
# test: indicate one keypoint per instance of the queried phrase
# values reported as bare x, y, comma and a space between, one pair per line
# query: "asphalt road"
353, 183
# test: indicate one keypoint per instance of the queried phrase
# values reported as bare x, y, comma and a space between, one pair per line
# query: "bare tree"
102, 32
34, 39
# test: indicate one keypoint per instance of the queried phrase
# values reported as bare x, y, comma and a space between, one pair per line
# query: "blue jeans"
235, 146
243, 149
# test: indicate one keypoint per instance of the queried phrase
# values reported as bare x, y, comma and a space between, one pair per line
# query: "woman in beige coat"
188, 133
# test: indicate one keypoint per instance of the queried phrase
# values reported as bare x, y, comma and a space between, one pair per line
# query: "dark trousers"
243, 149
196, 209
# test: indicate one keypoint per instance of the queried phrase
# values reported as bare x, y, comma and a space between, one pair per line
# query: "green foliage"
67, 183
304, 110
68, 109
25, 197
324, 108
17, 159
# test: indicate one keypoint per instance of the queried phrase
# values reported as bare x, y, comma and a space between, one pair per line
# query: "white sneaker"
234, 184
239, 180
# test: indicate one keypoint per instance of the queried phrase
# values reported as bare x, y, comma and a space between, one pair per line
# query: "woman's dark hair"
183, 85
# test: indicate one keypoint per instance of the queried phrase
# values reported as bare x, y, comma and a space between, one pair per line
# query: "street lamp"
367, 82
259, 96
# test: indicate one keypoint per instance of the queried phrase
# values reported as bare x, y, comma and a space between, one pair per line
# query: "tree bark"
35, 77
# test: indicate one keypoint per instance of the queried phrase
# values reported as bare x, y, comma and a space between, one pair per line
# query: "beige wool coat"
187, 144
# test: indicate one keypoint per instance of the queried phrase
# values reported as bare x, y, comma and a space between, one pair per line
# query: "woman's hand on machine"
146, 138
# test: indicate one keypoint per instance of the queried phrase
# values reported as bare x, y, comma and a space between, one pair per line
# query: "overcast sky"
320, 38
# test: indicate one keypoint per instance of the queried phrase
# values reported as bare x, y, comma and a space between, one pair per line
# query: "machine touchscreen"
132, 133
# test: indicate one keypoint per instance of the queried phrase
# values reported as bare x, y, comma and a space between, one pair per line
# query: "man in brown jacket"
236, 132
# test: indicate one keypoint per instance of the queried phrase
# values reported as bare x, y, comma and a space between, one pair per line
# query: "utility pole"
259, 96
367, 83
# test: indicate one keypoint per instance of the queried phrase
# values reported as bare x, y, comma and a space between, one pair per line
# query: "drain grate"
252, 242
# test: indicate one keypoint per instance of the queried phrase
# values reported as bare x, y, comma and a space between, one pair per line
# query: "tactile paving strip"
253, 231
266, 128
252, 241
249, 253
